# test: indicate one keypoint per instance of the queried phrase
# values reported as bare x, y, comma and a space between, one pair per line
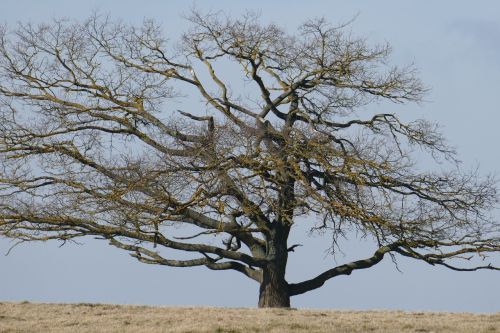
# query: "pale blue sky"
456, 46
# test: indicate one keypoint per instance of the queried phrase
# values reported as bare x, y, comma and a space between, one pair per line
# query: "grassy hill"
76, 318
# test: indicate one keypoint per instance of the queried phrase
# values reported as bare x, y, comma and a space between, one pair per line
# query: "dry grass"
75, 318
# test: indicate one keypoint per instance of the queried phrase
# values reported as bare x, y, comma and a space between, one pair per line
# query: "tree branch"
318, 281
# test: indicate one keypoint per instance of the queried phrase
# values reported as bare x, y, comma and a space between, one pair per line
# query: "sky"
456, 47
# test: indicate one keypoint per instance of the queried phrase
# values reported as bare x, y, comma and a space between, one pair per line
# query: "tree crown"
93, 142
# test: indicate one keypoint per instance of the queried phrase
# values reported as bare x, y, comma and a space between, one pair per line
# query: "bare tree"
95, 141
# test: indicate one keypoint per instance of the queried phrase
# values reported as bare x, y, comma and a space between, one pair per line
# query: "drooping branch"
481, 248
150, 257
88, 227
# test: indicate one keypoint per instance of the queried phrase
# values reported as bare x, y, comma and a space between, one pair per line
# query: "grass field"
76, 318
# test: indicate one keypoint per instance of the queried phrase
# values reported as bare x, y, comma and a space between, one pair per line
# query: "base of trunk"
274, 295
274, 301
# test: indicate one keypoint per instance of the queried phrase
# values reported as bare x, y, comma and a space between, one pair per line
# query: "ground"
84, 317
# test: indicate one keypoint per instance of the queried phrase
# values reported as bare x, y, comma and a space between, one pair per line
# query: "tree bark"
274, 291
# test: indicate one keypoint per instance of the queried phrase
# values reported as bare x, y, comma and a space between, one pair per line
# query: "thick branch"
150, 257
305, 286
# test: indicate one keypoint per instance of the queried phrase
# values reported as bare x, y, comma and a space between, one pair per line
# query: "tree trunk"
274, 292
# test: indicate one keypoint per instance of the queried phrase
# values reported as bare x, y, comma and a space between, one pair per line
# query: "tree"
93, 143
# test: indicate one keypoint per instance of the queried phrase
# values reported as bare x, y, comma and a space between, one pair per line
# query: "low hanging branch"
92, 145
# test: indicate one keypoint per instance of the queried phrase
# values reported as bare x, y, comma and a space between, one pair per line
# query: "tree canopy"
98, 136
